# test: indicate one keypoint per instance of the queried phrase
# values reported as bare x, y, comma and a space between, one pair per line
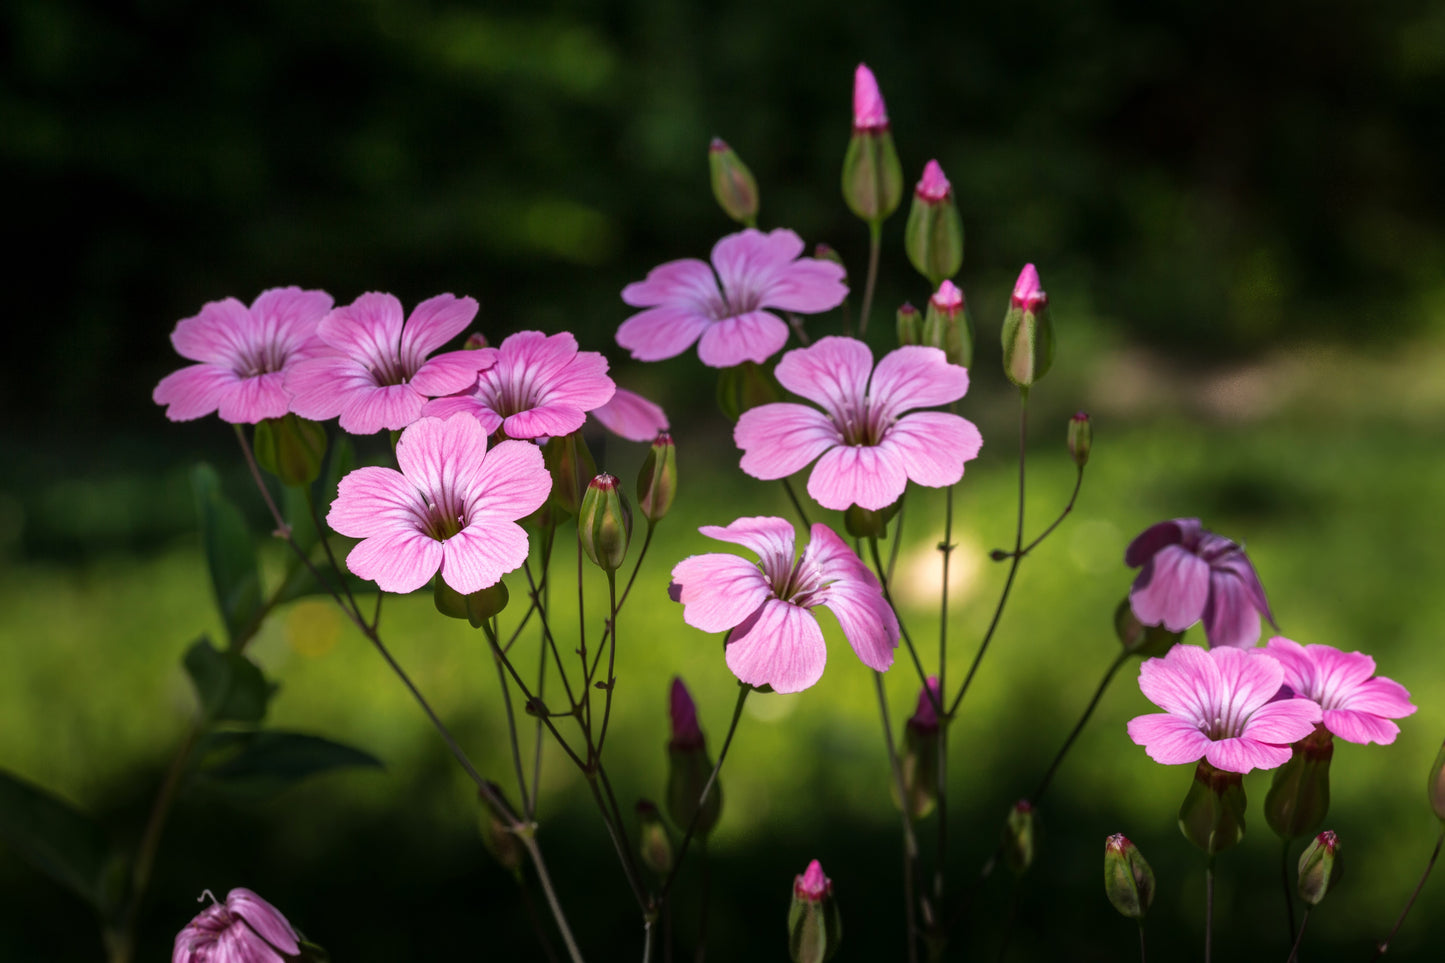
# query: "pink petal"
582, 383
915, 377
1338, 674
218, 335
833, 372
397, 561
1299, 668
1171, 589
239, 945
432, 324
933, 445
1361, 727
780, 439
442, 456
1379, 696
662, 332
780, 646
1243, 755
368, 329
466, 403
194, 391
511, 483
1237, 563
771, 537
480, 554
1283, 722
754, 336
749, 260
322, 386
806, 286
545, 422
369, 410
252, 399
289, 316
853, 595
687, 282
264, 918
1185, 682
373, 501
631, 416
862, 475
1167, 739
1250, 678
719, 591
1148, 542
451, 371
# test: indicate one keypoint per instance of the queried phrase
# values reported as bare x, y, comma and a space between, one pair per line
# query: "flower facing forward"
453, 507
774, 639
540, 386
1217, 707
725, 314
1357, 704
244, 355
243, 929
1189, 573
375, 371
870, 447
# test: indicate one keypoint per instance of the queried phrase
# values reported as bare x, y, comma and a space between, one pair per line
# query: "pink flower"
869, 113
453, 507
870, 449
1217, 707
244, 354
683, 711
244, 929
375, 372
811, 884
774, 639
725, 314
1190, 573
631, 416
1358, 705
933, 186
540, 386
925, 717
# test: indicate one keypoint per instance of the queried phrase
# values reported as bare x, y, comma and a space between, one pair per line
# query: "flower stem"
611, 643
935, 698
1288, 894
1068, 508
1294, 950
1385, 943
875, 244
797, 505
945, 549
706, 791
511, 725
546, 882
1208, 906
910, 841
1143, 956
1078, 727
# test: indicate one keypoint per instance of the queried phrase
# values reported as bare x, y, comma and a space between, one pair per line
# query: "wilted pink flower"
1217, 707
812, 884
870, 449
244, 354
631, 416
1190, 573
726, 313
1358, 705
683, 711
933, 186
375, 372
453, 507
540, 386
243, 929
774, 639
869, 113
925, 717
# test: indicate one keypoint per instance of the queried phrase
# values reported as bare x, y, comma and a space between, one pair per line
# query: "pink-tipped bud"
814, 927
475, 341
1028, 293
933, 237
1018, 837
245, 927
689, 768
1080, 438
1028, 331
947, 325
925, 717
933, 186
733, 184
1319, 867
1212, 814
948, 298
604, 523
910, 325
869, 113
812, 884
657, 479
685, 731
918, 759
1128, 878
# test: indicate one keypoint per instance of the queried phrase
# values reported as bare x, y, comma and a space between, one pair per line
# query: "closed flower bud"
1299, 794
570, 464
1145, 641
868, 522
1128, 879
814, 927
918, 760
291, 448
1018, 837
1212, 816
1028, 331
910, 325
948, 326
657, 481
497, 835
732, 183
933, 237
653, 842
872, 175
744, 387
604, 523
1435, 787
1080, 438
475, 341
688, 766
1319, 867
476, 608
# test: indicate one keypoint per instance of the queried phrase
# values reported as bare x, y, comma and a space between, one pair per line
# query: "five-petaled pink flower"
1190, 573
244, 354
774, 639
870, 448
243, 929
1217, 707
726, 314
1358, 705
453, 507
541, 385
375, 372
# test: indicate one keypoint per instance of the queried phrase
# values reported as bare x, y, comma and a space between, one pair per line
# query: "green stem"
946, 550
511, 724
1078, 727
611, 643
875, 245
797, 505
1209, 906
1385, 944
1143, 955
910, 841
1294, 949
935, 698
1288, 890
706, 791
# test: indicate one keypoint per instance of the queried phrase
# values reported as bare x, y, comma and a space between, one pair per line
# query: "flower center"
260, 359
730, 304
443, 518
800, 586
511, 391
858, 423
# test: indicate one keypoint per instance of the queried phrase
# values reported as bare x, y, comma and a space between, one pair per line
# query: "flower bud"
1319, 867
653, 842
745, 386
948, 326
1212, 816
475, 341
1128, 879
291, 448
814, 928
1018, 837
682, 714
732, 183
1145, 641
862, 522
918, 759
1080, 438
476, 608
570, 464
872, 176
933, 237
910, 325
1435, 786
604, 523
497, 835
688, 766
1299, 794
657, 481
1028, 331
825, 252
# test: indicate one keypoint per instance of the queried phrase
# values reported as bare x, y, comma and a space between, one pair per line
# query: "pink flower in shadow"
773, 638
243, 929
1357, 704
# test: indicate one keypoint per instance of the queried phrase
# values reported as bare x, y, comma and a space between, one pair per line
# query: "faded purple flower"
243, 929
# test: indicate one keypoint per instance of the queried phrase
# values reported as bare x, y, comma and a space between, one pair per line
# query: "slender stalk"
611, 643
897, 534
619, 842
582, 648
533, 701
797, 505
797, 325
706, 791
530, 905
1294, 950
622, 599
1068, 508
558, 916
875, 244
537, 735
1385, 943
1078, 727
1288, 890
550, 641
701, 956
1143, 955
910, 841
1208, 907
946, 550
511, 725
936, 698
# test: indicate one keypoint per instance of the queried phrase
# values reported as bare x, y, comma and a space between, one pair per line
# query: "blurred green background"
1236, 211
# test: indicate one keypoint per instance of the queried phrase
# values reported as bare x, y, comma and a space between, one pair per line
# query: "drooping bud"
814, 928
496, 824
653, 842
733, 184
570, 464
657, 481
1319, 867
825, 252
476, 608
682, 713
1028, 331
1145, 641
688, 766
872, 176
291, 448
1212, 816
1435, 785
744, 387
1128, 879
933, 237
1299, 794
918, 759
910, 325
475, 341
948, 326
1080, 438
604, 523
1018, 837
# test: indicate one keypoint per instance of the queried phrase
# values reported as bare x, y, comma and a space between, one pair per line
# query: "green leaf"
230, 555
230, 686
59, 840
256, 764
